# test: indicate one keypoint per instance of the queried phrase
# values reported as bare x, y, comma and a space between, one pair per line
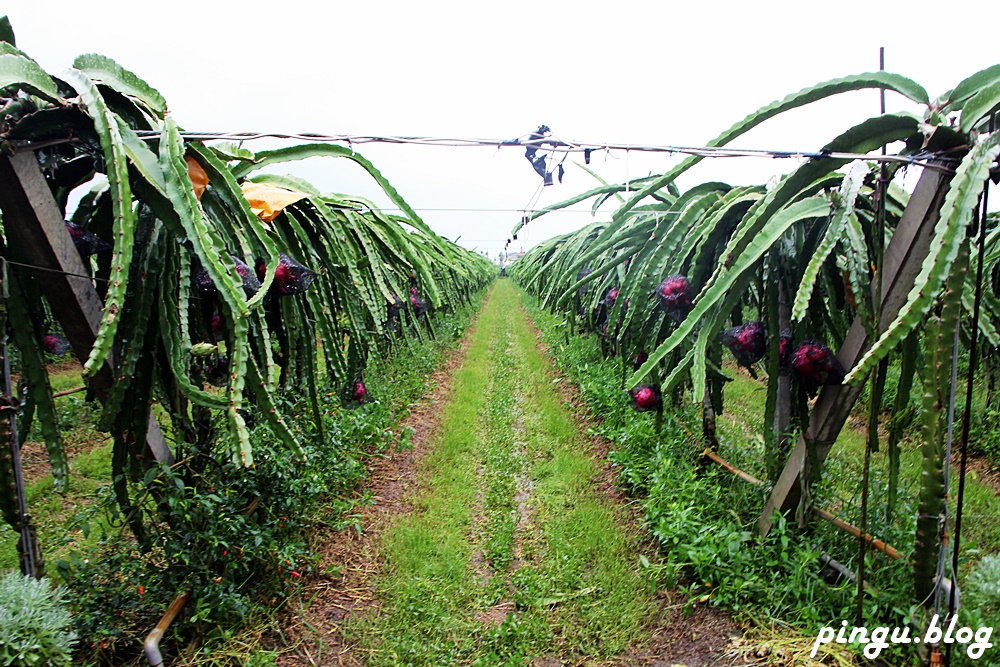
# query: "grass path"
511, 556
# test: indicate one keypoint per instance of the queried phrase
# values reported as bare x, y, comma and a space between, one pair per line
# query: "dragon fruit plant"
646, 398
674, 296
745, 245
815, 364
747, 342
173, 207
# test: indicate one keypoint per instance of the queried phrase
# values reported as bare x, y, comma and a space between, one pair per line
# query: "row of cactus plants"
212, 269
671, 279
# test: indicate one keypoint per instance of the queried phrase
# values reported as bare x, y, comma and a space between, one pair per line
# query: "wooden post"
36, 233
902, 260
783, 392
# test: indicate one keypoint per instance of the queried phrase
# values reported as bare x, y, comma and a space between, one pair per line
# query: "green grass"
511, 553
52, 514
65, 376
429, 582
741, 424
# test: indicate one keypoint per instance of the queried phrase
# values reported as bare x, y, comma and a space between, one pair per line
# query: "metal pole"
878, 378
967, 413
30, 560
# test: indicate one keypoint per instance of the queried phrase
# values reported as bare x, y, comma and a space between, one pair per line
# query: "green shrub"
982, 588
34, 626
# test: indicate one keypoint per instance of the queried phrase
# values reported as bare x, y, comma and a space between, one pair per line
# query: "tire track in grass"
510, 478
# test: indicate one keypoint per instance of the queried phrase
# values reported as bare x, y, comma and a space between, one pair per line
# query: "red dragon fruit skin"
359, 392
646, 397
87, 243
394, 305
54, 344
419, 305
785, 350
815, 364
355, 394
747, 342
674, 296
217, 330
290, 276
639, 359
250, 283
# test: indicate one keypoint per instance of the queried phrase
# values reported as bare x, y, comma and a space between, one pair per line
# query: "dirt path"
500, 538
349, 559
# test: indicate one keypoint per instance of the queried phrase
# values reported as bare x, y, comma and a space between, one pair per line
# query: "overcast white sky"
622, 72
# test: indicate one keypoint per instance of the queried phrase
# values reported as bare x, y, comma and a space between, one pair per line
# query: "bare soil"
35, 458
698, 638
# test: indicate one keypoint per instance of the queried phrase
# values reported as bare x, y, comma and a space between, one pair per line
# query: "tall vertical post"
901, 264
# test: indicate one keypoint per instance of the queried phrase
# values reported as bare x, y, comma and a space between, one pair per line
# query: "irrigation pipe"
856, 532
823, 514
826, 560
747, 477
946, 585
69, 391
152, 643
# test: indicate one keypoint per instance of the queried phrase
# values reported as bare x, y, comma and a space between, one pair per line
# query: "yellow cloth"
267, 201
199, 179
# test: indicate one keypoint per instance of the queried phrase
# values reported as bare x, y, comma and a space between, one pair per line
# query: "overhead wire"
547, 142
36, 267
557, 145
